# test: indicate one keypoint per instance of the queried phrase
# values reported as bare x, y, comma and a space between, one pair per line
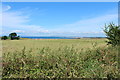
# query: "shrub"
14, 36
113, 34
66, 62
4, 37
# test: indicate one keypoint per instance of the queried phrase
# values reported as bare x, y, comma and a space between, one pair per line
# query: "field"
59, 58
13, 45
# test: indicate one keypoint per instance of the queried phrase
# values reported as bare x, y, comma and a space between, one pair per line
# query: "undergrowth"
66, 62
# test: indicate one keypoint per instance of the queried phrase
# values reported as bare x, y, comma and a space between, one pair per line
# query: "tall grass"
64, 62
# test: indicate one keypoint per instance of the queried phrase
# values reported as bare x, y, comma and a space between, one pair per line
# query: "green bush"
65, 62
4, 37
14, 36
113, 34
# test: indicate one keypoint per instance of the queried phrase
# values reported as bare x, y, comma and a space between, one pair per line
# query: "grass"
12, 45
70, 58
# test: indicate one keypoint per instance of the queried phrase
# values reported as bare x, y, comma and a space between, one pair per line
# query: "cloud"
89, 25
43, 31
18, 31
13, 19
5, 7
18, 21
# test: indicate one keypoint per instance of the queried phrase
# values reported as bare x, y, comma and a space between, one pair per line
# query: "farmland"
12, 45
59, 58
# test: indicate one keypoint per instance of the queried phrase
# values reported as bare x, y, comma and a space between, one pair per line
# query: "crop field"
59, 58
9, 46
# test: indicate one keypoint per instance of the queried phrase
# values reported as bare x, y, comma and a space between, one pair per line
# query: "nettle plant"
112, 32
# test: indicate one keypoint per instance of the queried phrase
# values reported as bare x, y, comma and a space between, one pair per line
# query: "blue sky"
60, 0
84, 19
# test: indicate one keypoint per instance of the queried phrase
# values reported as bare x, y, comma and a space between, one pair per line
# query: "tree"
4, 37
14, 36
112, 32
18, 37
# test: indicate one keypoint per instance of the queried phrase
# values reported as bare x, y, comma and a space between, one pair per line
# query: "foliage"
113, 34
4, 37
14, 36
63, 62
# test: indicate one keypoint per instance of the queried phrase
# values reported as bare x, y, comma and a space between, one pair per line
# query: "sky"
60, 0
79, 19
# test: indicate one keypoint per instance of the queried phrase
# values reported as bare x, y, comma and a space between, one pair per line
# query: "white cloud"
17, 21
89, 25
13, 19
43, 31
5, 7
18, 31
94, 22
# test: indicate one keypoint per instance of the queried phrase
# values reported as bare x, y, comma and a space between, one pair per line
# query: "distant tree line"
12, 36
